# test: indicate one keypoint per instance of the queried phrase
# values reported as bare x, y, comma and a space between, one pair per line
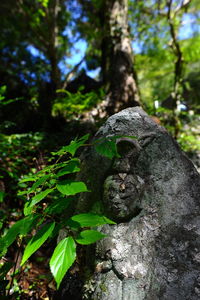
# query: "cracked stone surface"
152, 192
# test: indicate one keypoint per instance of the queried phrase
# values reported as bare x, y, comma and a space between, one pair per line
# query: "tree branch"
71, 73
184, 4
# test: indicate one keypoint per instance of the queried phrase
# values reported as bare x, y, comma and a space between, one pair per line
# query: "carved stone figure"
152, 192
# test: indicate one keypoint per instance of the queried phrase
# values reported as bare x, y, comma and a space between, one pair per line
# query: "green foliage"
49, 193
2, 194
189, 142
107, 147
36, 199
63, 257
69, 187
87, 237
72, 105
155, 81
72, 167
21, 227
188, 136
36, 242
72, 147
88, 220
3, 100
17, 153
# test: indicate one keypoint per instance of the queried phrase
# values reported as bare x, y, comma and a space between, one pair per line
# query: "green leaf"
72, 167
28, 207
73, 146
107, 147
32, 178
89, 220
3, 247
20, 227
58, 206
39, 182
37, 198
21, 193
63, 257
36, 242
2, 194
62, 164
87, 237
28, 223
70, 187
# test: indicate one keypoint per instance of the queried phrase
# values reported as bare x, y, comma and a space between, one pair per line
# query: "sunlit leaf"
3, 247
89, 220
40, 196
63, 257
36, 242
28, 207
73, 146
31, 178
71, 167
87, 237
39, 182
70, 187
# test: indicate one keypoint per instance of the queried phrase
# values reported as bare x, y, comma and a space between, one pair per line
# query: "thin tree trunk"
178, 69
179, 60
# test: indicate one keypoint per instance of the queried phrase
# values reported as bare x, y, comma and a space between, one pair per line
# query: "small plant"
50, 192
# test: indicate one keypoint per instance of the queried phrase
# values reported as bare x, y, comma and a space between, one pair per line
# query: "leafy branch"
51, 191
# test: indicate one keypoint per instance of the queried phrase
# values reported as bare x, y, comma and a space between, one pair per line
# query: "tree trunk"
53, 43
48, 90
117, 57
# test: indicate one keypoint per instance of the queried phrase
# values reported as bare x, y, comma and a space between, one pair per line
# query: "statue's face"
123, 189
122, 195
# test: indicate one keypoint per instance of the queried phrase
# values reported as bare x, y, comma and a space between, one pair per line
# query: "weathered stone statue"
153, 193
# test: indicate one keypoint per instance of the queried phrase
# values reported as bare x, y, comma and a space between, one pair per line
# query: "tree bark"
117, 57
178, 70
48, 90
109, 19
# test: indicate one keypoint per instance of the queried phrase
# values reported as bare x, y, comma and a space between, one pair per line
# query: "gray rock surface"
152, 192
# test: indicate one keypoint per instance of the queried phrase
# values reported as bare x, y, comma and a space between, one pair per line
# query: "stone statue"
152, 192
